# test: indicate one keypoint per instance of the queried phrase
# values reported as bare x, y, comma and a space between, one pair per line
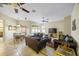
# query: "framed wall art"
74, 25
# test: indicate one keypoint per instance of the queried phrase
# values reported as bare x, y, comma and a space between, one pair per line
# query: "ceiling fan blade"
6, 3
25, 10
18, 4
1, 5
21, 3
44, 21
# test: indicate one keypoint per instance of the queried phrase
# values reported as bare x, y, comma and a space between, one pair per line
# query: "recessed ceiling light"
25, 18
33, 11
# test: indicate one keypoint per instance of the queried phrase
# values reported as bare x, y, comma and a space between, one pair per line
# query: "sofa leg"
75, 52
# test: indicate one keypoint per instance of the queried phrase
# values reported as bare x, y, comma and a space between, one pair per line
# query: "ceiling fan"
15, 8
44, 20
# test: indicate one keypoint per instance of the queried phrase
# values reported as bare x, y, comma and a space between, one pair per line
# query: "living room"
50, 19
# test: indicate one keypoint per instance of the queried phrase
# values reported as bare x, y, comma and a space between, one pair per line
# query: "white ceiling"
51, 11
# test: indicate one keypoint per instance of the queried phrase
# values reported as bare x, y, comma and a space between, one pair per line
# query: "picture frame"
74, 25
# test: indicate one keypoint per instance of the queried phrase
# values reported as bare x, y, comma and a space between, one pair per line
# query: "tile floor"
20, 49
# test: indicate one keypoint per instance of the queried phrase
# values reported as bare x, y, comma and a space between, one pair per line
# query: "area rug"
48, 51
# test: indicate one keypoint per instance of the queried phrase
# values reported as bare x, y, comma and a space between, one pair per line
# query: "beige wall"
63, 25
75, 15
67, 25
58, 24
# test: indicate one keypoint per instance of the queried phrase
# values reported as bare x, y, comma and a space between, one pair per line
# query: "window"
1, 28
35, 30
43, 29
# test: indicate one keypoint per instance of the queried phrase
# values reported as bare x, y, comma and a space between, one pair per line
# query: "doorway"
1, 30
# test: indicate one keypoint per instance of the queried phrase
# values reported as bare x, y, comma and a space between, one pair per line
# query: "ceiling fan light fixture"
16, 10
21, 3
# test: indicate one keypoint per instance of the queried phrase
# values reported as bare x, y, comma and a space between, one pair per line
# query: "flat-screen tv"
52, 30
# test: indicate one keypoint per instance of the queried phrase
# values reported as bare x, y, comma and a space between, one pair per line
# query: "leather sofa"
70, 43
36, 43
